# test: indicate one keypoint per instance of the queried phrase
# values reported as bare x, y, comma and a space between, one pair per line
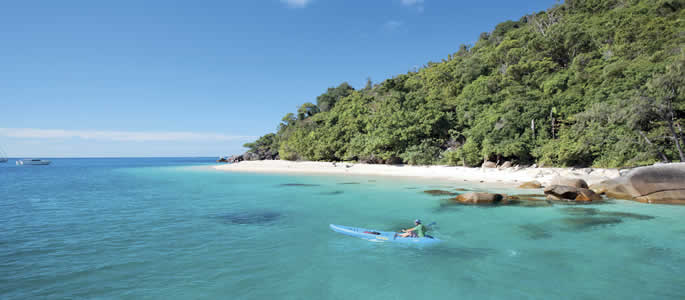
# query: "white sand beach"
513, 176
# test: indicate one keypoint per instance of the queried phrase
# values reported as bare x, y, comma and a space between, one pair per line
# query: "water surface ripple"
176, 229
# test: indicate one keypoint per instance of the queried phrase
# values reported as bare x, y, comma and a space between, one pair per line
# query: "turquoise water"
177, 229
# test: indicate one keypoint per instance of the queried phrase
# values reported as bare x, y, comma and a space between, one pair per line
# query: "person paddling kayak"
418, 231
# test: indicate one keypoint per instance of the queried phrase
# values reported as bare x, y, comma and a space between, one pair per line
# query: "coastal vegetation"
585, 83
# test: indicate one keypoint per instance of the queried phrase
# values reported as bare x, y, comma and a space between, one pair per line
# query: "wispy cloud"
125, 136
392, 25
417, 4
297, 3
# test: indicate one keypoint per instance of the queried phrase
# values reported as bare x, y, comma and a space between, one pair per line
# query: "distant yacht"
3, 156
35, 162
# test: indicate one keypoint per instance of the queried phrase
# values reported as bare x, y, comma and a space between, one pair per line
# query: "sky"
201, 78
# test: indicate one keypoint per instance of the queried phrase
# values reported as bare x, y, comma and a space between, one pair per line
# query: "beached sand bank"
507, 175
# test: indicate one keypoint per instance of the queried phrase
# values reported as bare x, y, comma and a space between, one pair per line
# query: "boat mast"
3, 155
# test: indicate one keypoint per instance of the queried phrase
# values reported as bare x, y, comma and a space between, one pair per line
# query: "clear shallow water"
176, 229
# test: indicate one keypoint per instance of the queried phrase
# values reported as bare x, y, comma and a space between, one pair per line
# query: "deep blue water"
173, 228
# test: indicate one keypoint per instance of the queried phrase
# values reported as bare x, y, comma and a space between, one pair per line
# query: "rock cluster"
249, 155
570, 193
663, 183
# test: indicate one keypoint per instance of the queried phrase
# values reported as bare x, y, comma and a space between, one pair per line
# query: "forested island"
595, 83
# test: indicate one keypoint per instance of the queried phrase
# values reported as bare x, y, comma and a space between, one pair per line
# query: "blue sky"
201, 78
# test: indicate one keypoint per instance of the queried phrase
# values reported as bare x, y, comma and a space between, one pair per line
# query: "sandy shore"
511, 176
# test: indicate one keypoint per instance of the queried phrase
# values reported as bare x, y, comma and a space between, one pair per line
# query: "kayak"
381, 236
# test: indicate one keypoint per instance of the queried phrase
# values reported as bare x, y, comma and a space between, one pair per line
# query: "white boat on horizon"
33, 162
3, 156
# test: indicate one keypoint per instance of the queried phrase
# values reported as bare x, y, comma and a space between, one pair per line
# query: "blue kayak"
381, 236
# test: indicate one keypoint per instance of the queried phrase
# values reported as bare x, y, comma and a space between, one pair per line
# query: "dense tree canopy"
585, 83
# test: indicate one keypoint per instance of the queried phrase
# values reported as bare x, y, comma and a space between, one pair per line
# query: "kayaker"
418, 231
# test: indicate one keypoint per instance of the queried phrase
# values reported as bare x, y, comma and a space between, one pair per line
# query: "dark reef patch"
531, 196
250, 217
585, 211
331, 193
535, 232
586, 223
580, 211
626, 215
447, 205
527, 203
439, 193
461, 252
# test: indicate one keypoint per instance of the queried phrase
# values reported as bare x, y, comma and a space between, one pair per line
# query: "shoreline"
510, 176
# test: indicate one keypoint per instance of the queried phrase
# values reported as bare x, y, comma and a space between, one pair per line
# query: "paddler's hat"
417, 221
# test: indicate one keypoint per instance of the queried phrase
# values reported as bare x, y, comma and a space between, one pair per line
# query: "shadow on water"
331, 193
250, 217
298, 184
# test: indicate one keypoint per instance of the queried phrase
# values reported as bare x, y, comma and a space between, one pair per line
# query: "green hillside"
586, 83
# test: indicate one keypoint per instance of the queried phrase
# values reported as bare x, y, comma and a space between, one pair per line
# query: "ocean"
174, 228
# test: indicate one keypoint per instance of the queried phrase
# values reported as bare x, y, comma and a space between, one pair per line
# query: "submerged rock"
626, 215
447, 204
527, 203
535, 232
580, 211
482, 198
585, 211
331, 193
583, 223
439, 193
251, 217
530, 197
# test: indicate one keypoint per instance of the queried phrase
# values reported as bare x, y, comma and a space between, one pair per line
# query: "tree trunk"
677, 140
551, 116
672, 129
663, 156
680, 132
532, 127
